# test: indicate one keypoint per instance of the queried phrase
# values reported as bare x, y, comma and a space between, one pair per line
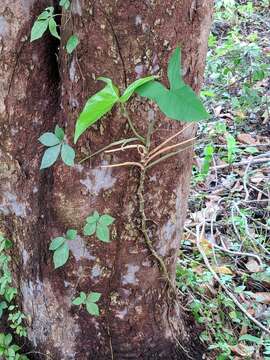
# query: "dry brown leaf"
246, 139
257, 177
217, 110
206, 245
253, 266
223, 270
261, 297
242, 350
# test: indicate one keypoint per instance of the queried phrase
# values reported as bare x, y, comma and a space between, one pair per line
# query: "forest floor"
224, 262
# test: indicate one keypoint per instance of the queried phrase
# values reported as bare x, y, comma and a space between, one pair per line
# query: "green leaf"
44, 15
93, 297
78, 301
97, 106
106, 220
50, 156
71, 234
56, 243
92, 308
11, 353
103, 233
174, 70
251, 338
8, 340
65, 4
38, 29
48, 139
83, 295
53, 28
153, 90
50, 10
89, 229
132, 87
181, 104
72, 43
60, 256
15, 348
59, 132
93, 218
3, 306
67, 154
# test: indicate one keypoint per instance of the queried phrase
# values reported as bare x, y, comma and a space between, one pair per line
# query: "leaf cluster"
44, 21
8, 350
89, 301
178, 103
56, 145
59, 246
99, 225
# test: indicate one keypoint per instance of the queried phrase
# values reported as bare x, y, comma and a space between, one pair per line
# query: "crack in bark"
118, 46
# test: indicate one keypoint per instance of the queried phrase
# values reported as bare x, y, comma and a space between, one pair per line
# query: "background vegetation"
229, 204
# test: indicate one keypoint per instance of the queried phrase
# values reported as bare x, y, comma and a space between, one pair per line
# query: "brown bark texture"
41, 86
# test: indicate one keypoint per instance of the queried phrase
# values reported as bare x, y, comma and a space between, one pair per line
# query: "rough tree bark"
40, 87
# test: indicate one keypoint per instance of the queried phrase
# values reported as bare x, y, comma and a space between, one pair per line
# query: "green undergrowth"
229, 202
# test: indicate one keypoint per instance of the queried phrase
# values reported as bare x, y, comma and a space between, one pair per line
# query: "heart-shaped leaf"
178, 103
132, 87
97, 106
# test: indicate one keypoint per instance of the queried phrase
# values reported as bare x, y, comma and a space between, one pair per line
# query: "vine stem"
140, 193
141, 138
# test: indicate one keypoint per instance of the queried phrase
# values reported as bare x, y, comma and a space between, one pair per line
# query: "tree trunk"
41, 86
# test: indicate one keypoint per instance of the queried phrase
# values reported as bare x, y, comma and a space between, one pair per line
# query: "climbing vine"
179, 103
